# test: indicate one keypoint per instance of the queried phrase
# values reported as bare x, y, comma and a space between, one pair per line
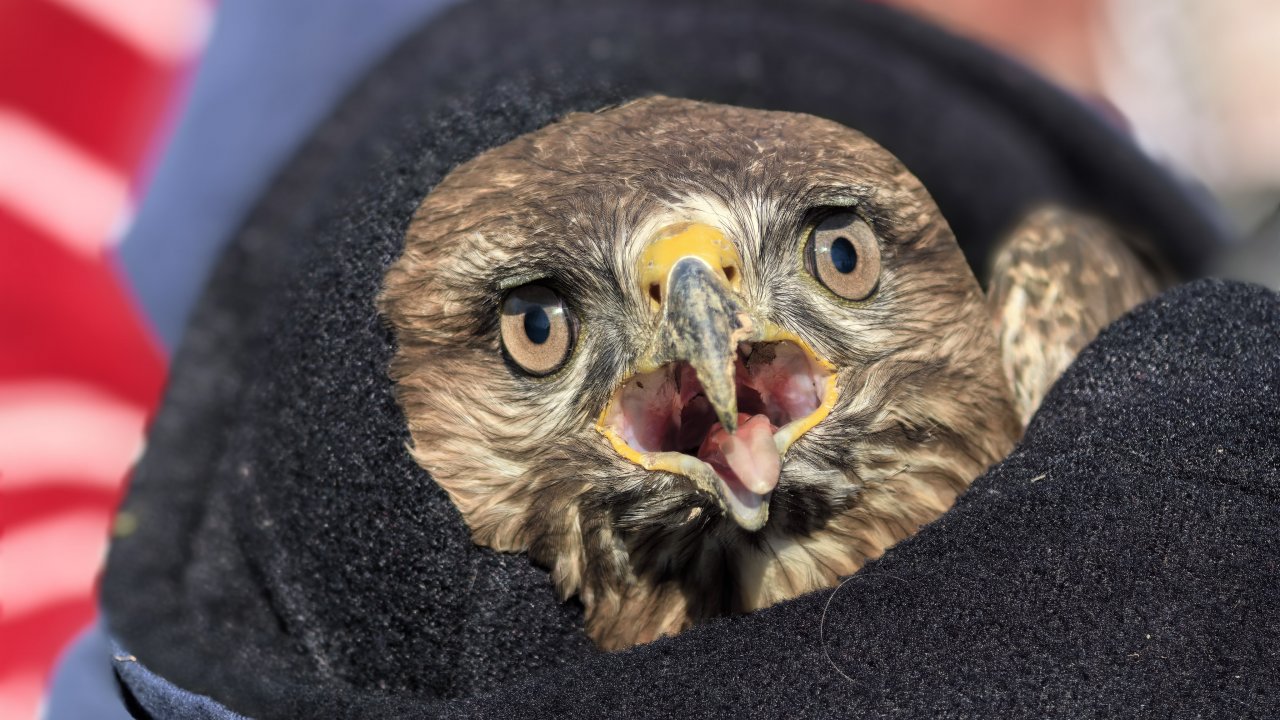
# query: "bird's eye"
843, 254
537, 332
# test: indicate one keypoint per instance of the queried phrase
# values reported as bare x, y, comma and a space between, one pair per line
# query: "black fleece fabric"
1123, 562
290, 559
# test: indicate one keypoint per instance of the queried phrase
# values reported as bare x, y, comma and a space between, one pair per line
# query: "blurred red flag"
86, 87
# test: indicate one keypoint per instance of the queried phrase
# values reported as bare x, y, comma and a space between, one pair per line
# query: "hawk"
697, 359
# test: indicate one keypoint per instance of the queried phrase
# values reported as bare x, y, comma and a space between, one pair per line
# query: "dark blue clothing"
88, 685
159, 698
84, 685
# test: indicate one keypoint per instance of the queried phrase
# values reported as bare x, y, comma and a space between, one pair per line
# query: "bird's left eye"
537, 332
842, 252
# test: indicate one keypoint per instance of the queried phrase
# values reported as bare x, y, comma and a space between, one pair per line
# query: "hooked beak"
702, 325
717, 397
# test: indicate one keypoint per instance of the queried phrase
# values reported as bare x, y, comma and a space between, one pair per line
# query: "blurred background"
135, 134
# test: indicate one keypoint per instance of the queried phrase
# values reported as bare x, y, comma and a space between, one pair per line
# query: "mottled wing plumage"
1058, 279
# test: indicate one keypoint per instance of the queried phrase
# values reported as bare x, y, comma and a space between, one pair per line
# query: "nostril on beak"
684, 241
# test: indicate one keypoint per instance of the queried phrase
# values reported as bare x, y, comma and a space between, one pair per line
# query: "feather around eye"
843, 253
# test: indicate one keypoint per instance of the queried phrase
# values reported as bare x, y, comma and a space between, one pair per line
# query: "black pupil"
537, 325
843, 257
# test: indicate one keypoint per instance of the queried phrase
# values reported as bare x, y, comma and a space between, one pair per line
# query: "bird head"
695, 359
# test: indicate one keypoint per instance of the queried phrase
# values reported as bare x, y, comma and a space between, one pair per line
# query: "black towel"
290, 560
1124, 561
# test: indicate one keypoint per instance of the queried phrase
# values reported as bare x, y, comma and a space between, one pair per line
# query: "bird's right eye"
537, 329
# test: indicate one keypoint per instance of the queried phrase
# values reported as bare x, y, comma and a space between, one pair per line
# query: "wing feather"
1058, 279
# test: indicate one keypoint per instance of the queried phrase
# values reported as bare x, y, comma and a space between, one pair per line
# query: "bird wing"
1057, 280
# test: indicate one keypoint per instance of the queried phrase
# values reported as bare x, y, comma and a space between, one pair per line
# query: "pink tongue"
747, 456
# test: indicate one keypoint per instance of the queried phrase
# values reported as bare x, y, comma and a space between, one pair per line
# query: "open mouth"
662, 420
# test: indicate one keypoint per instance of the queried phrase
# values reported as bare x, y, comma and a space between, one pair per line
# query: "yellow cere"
687, 240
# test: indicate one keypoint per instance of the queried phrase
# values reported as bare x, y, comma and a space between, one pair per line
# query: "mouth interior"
665, 411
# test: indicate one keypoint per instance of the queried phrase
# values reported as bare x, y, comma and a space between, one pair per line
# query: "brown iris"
536, 329
843, 254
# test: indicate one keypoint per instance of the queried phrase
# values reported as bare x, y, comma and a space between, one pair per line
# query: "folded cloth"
281, 553
1120, 563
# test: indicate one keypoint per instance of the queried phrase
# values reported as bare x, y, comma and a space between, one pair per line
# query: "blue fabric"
272, 70
159, 698
83, 685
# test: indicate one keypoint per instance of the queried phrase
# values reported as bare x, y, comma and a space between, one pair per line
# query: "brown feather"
923, 406
1057, 280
